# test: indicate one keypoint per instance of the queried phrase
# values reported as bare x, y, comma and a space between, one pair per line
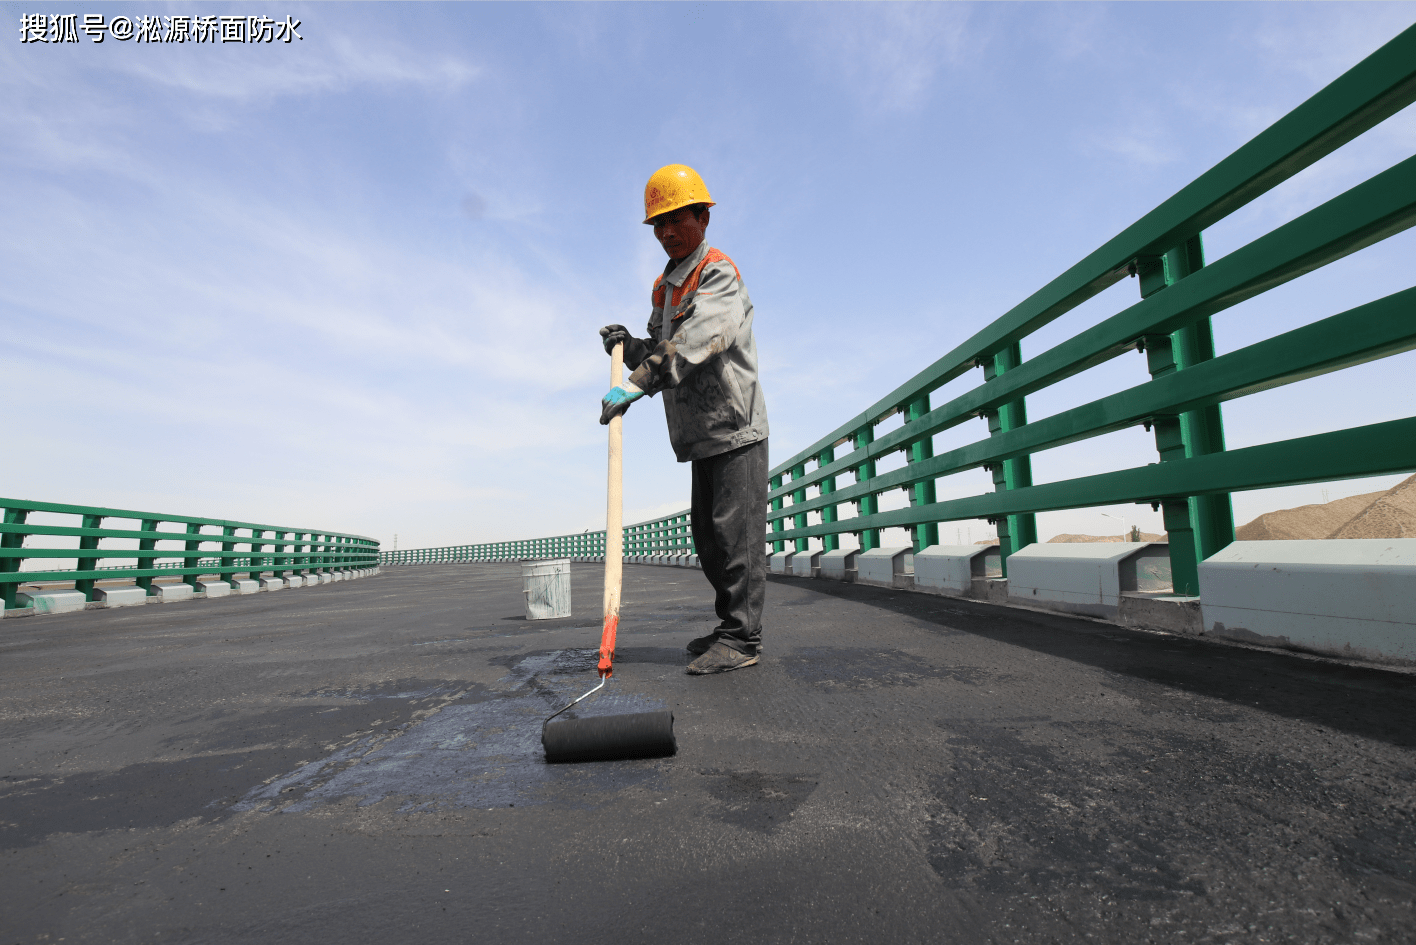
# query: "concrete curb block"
1168, 612
1348, 597
121, 596
839, 565
168, 593
951, 570
1086, 579
52, 602
38, 602
806, 564
886, 567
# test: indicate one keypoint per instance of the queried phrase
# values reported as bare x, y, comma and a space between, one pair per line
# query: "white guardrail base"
1352, 597
35, 602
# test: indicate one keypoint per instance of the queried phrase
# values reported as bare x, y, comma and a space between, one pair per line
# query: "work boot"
699, 645
720, 658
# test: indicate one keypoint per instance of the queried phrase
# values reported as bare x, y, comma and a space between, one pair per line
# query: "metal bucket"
547, 588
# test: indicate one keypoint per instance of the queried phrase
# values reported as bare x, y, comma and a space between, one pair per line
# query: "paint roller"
610, 737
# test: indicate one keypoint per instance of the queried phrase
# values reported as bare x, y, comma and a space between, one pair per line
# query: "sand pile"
1393, 515
1390, 514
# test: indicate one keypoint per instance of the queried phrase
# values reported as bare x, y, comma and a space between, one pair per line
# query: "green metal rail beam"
1375, 330
1375, 450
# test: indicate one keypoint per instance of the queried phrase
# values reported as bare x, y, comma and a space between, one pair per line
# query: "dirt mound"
1307, 522
1392, 515
1072, 539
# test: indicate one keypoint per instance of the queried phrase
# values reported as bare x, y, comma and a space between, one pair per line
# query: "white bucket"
547, 588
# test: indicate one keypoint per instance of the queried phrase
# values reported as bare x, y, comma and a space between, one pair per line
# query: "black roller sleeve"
610, 737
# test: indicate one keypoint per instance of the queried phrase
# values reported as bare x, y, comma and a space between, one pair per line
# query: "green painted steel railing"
1171, 324
271, 549
663, 536
1181, 402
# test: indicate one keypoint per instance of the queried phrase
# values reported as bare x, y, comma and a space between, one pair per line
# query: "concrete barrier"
168, 593
52, 602
780, 562
272, 584
245, 586
1352, 597
1087, 578
121, 596
214, 589
294, 580
886, 567
806, 564
952, 569
839, 565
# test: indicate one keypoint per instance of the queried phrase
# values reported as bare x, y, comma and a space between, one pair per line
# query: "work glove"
617, 401
613, 335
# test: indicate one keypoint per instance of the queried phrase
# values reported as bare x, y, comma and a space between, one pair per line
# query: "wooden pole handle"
614, 524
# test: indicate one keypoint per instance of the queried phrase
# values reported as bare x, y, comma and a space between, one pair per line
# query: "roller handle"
614, 525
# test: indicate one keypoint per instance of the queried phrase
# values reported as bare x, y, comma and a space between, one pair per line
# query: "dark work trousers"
729, 534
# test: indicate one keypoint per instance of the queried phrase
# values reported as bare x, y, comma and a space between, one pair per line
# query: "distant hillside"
1390, 514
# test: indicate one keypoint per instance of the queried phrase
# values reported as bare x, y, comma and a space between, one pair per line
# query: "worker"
701, 356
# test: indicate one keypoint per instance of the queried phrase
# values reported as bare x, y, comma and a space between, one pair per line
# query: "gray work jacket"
700, 353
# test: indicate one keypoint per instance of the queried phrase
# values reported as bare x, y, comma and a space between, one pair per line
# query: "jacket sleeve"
708, 326
635, 351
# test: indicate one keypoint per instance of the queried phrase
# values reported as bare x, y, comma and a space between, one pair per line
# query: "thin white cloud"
320, 65
887, 55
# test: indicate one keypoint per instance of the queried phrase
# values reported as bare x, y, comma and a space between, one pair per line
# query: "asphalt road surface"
360, 762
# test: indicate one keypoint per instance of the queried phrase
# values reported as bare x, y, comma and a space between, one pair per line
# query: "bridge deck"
359, 762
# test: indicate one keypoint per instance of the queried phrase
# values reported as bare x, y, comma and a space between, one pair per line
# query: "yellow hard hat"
671, 187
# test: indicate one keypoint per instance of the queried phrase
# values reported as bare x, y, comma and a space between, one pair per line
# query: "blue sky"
355, 282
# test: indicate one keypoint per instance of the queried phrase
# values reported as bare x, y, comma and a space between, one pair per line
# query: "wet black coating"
609, 737
361, 762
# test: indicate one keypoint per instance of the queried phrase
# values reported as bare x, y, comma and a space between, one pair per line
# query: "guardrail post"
88, 543
257, 559
923, 493
147, 544
828, 512
1170, 443
1014, 531
12, 540
867, 504
799, 497
192, 562
227, 574
1211, 516
777, 524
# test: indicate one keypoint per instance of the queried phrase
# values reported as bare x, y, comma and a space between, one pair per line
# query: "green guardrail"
662, 536
1171, 325
1180, 404
245, 548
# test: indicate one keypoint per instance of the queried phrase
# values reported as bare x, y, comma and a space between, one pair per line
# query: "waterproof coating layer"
610, 737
